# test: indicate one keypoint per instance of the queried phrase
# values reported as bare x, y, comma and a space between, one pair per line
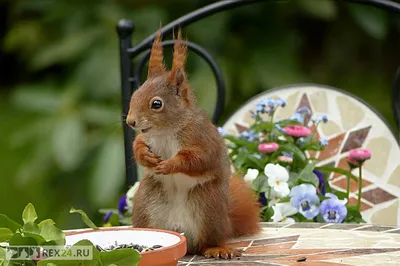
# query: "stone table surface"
319, 244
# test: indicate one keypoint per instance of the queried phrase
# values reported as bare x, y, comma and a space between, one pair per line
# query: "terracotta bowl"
174, 244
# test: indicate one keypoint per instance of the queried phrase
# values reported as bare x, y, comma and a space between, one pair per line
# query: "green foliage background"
60, 107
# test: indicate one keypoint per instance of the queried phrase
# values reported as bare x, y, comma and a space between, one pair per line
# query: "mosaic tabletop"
315, 245
352, 124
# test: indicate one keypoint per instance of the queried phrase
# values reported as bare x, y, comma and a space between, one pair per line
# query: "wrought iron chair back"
130, 72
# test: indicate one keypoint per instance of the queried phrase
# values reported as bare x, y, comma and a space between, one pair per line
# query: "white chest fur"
177, 213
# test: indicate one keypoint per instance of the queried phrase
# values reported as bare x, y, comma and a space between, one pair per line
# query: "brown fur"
187, 185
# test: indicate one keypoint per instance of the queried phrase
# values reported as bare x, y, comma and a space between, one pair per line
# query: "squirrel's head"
165, 98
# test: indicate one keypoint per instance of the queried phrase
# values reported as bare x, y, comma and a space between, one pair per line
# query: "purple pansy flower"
262, 199
333, 210
322, 185
107, 216
122, 205
304, 198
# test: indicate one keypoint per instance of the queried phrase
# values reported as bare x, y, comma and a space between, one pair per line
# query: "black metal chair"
130, 73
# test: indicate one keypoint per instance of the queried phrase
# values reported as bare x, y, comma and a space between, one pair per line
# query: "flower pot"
174, 244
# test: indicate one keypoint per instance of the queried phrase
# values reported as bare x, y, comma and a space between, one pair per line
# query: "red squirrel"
188, 186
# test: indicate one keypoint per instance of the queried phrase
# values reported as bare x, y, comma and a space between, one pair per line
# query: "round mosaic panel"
352, 124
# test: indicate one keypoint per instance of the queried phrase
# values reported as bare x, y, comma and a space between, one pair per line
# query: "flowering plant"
275, 158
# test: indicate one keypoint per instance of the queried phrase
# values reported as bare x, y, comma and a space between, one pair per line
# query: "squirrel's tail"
244, 209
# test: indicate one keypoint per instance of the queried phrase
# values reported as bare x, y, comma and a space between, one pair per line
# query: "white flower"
274, 197
277, 178
251, 175
130, 194
282, 211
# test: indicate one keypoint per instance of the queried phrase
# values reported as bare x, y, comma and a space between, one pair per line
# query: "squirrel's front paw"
149, 159
164, 168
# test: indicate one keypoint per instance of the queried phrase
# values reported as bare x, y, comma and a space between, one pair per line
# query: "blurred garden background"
61, 142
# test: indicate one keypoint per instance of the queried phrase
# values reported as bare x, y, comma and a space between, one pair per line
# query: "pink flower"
268, 147
285, 159
360, 155
352, 162
297, 131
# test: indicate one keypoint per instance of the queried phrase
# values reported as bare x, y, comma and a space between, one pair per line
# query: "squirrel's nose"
130, 122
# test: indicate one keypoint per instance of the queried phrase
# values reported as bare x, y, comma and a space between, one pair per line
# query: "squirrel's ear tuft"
156, 62
177, 73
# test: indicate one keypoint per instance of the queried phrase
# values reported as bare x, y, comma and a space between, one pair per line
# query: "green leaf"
324, 9
257, 162
114, 219
85, 218
373, 21
29, 214
285, 199
120, 257
6, 222
242, 142
51, 233
353, 215
45, 221
18, 240
30, 229
68, 142
309, 178
297, 153
95, 261
293, 179
341, 195
39, 98
269, 212
260, 184
109, 162
5, 234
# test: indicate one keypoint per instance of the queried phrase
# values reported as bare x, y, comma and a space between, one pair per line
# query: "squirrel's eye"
156, 104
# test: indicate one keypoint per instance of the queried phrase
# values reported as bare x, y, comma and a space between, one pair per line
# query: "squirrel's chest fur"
175, 211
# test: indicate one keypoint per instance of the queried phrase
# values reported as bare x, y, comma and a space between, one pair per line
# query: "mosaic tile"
319, 101
355, 139
364, 206
332, 148
394, 178
342, 183
330, 128
377, 195
387, 215
342, 163
283, 113
275, 248
380, 148
304, 225
351, 114
377, 228
267, 241
350, 253
240, 128
343, 226
379, 259
274, 225
241, 244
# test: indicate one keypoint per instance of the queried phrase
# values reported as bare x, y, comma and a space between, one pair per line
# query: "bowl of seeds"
156, 247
